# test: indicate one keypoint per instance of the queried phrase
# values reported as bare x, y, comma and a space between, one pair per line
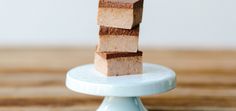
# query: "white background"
166, 23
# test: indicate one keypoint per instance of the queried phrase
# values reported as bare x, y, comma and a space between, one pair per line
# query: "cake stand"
121, 93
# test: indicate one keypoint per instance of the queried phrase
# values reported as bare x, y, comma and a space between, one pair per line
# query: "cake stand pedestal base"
122, 104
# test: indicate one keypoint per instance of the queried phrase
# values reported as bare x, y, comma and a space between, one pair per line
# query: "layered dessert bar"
120, 13
118, 40
118, 64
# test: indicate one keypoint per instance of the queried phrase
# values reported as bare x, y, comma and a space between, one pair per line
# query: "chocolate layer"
118, 31
111, 55
130, 4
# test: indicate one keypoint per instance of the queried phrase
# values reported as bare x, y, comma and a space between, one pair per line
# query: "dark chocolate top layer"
118, 31
130, 4
111, 55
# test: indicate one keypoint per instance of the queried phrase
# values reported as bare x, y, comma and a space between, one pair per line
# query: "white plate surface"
155, 79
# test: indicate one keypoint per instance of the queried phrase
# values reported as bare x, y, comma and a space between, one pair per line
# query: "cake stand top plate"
155, 79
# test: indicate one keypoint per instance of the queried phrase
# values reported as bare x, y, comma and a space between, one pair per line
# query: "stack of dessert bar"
117, 52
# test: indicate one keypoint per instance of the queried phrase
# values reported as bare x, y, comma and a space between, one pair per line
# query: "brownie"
119, 31
111, 55
130, 4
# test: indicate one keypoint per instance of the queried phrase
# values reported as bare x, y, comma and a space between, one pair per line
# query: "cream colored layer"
117, 43
119, 66
101, 64
119, 17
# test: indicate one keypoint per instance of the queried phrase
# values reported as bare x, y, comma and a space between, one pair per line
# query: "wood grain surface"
33, 80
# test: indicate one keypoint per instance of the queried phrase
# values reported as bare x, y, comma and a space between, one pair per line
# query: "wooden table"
33, 80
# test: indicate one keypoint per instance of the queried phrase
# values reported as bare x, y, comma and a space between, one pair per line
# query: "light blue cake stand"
121, 93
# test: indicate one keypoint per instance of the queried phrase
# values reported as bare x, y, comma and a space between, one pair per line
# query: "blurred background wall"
167, 23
